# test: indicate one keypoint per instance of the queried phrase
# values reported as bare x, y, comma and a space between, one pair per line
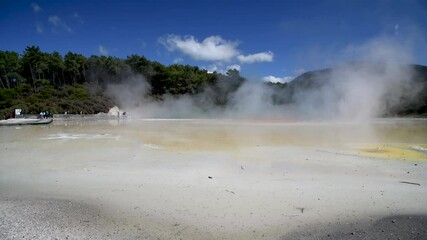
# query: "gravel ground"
57, 219
62, 219
393, 227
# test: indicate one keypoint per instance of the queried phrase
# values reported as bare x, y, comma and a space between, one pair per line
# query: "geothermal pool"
207, 179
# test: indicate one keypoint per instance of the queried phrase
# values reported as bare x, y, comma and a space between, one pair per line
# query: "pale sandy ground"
211, 179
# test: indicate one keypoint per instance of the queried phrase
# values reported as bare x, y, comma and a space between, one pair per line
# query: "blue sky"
261, 38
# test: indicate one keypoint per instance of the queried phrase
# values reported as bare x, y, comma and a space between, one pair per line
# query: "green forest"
36, 81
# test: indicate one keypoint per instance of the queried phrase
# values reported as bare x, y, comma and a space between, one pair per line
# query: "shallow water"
213, 135
216, 179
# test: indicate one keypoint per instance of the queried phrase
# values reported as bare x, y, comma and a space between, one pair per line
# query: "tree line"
36, 81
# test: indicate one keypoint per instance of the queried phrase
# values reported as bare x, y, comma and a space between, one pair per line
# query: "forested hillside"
37, 81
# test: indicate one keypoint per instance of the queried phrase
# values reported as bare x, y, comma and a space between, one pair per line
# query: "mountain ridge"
409, 81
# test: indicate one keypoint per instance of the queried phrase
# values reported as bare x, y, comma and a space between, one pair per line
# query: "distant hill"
399, 90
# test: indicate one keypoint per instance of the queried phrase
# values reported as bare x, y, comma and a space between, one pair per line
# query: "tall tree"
75, 66
142, 65
56, 68
33, 64
9, 66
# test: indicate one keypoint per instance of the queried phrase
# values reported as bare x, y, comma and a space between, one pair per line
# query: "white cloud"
212, 48
78, 18
219, 68
54, 20
178, 60
234, 66
103, 50
396, 29
58, 23
212, 68
300, 71
215, 49
142, 43
35, 7
39, 27
257, 57
274, 79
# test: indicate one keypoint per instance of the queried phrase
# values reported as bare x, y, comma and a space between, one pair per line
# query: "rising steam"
378, 81
368, 88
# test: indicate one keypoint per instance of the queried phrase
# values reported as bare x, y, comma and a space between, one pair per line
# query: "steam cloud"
365, 89
379, 81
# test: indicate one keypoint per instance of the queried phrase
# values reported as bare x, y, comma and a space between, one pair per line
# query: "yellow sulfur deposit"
405, 152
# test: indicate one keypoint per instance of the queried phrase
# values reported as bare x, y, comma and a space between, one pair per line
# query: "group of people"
45, 114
